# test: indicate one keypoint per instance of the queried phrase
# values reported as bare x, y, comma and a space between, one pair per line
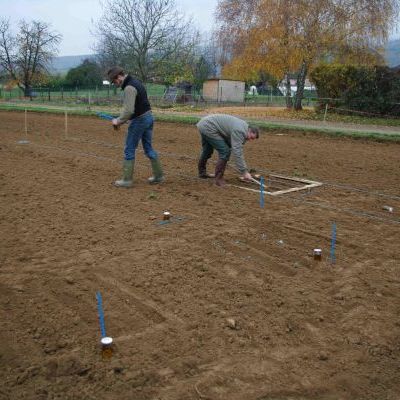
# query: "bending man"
225, 134
137, 109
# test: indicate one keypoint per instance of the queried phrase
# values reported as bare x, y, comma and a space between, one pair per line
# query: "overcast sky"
73, 18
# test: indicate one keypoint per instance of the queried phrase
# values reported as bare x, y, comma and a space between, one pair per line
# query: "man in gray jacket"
226, 134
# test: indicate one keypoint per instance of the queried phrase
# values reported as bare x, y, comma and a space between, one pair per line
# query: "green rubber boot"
158, 175
127, 174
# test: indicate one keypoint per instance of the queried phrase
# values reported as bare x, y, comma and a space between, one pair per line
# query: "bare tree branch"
142, 34
26, 55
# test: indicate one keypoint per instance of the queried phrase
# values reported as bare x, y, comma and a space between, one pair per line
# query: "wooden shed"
223, 90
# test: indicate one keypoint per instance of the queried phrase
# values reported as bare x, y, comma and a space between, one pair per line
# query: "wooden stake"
66, 124
255, 181
326, 111
26, 123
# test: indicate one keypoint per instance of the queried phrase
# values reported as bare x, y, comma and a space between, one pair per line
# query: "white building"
223, 90
293, 86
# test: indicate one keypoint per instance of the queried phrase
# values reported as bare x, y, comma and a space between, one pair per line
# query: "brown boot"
219, 172
203, 170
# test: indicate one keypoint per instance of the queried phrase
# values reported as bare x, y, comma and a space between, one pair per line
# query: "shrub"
374, 90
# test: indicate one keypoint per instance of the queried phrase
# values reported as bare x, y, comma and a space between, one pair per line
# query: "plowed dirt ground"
225, 302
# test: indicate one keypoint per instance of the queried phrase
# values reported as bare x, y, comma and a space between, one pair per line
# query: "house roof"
222, 79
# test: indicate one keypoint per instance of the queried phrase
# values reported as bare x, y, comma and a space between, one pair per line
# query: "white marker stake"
25, 141
26, 124
66, 125
326, 111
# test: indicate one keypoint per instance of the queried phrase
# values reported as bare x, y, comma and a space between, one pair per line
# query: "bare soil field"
225, 302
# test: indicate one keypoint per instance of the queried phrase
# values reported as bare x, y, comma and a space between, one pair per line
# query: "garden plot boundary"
358, 132
309, 184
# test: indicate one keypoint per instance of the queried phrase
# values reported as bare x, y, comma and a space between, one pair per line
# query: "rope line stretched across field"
262, 171
347, 110
195, 178
271, 179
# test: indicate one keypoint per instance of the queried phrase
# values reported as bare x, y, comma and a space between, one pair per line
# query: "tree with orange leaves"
282, 36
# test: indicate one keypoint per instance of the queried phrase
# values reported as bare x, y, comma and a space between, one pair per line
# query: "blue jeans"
209, 144
140, 128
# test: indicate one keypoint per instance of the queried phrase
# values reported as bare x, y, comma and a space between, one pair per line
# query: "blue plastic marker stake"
101, 314
262, 192
333, 243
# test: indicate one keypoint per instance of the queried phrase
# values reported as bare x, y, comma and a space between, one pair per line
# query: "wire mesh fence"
78, 95
159, 95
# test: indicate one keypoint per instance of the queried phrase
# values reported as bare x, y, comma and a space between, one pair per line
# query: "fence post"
49, 94
326, 111
62, 93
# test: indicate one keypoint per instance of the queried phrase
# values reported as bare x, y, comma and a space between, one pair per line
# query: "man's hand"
247, 176
115, 123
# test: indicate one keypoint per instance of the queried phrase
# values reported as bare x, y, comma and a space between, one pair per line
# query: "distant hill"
392, 54
61, 65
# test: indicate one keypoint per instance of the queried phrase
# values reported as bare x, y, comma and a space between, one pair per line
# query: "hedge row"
374, 89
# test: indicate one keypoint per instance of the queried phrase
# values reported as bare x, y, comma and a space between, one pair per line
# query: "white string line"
270, 179
267, 172
365, 112
190, 177
342, 186
346, 210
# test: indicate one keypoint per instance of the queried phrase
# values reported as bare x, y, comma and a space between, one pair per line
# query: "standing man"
225, 134
136, 109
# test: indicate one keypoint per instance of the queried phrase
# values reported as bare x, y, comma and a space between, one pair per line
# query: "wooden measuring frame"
307, 185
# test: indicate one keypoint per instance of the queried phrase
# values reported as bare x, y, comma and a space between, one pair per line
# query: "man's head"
252, 133
116, 75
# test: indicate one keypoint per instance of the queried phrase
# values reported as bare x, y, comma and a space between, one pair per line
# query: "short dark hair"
114, 72
255, 130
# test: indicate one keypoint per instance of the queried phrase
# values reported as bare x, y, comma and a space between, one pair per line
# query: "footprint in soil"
65, 366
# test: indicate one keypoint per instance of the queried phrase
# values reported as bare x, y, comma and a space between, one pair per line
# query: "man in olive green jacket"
226, 134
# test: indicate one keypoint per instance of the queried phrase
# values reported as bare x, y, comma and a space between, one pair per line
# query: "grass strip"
193, 119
